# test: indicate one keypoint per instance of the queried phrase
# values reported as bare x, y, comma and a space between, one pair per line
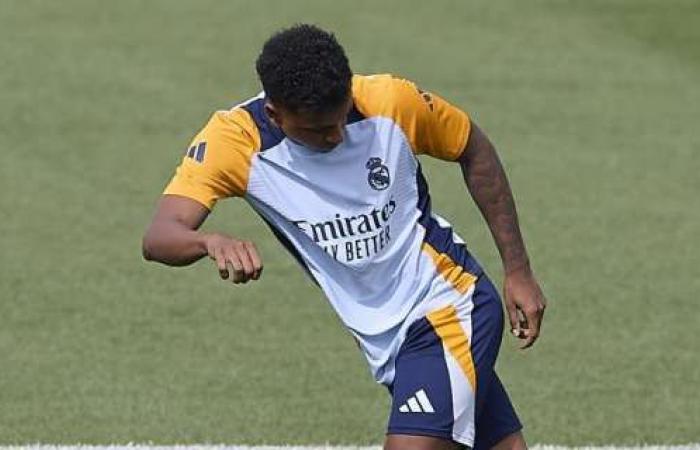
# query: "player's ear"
273, 113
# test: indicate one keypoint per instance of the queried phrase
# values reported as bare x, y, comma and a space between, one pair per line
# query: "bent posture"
329, 160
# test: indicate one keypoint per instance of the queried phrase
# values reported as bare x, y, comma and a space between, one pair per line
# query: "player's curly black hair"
304, 68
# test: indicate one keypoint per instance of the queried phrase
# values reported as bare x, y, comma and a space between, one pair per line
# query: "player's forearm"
172, 243
488, 186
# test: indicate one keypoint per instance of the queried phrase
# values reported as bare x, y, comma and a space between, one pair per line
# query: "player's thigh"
514, 441
496, 419
444, 374
413, 442
432, 396
498, 425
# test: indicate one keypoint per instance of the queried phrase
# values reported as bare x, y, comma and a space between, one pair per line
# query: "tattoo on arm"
488, 186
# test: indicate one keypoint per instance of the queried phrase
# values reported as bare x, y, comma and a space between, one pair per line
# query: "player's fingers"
255, 259
532, 315
235, 266
220, 259
530, 339
523, 326
543, 307
513, 318
242, 251
522, 320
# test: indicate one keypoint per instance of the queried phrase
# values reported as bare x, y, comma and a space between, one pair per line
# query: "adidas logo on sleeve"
418, 403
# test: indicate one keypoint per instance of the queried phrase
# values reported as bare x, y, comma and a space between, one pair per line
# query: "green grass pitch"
594, 106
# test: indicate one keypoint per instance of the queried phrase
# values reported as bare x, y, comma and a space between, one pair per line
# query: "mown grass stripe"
311, 447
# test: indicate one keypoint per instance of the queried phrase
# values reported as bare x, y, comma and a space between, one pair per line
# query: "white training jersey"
357, 218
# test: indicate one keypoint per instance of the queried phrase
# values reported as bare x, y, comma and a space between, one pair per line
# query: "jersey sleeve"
217, 162
432, 125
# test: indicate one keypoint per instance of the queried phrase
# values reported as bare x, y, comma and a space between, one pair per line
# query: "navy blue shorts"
445, 384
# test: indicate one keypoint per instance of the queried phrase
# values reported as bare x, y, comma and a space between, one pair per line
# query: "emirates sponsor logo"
351, 238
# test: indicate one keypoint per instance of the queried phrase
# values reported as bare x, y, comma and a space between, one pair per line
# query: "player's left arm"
488, 185
435, 127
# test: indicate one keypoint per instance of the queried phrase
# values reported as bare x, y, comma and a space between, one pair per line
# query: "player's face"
316, 131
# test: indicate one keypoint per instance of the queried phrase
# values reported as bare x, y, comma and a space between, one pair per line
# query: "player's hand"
236, 259
525, 304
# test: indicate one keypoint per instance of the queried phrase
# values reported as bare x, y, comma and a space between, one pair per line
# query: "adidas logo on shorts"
418, 403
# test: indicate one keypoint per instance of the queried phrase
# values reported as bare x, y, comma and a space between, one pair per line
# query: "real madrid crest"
378, 176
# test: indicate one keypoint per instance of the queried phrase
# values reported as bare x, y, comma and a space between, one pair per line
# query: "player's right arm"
216, 166
173, 238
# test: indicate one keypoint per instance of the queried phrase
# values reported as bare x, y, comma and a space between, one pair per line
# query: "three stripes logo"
196, 152
417, 403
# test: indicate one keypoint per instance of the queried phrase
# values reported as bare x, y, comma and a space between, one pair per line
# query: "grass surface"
593, 106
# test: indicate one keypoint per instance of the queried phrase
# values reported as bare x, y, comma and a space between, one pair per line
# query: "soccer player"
329, 160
